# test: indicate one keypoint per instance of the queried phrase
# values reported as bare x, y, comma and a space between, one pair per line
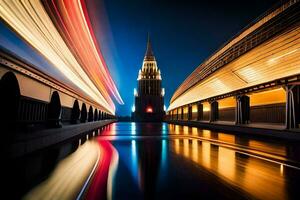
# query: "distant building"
149, 96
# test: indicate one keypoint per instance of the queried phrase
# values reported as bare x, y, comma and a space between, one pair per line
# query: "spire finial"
149, 53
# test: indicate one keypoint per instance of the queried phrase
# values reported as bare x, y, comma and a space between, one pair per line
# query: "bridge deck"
28, 143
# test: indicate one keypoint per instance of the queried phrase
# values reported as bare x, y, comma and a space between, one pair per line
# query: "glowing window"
149, 109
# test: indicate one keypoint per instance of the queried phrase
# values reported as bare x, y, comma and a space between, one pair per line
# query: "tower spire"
149, 52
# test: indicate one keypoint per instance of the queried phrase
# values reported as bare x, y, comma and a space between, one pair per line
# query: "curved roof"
244, 41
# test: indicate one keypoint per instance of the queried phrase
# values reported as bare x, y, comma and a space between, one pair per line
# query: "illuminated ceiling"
274, 59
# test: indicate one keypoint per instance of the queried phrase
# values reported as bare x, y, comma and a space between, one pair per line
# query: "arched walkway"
9, 102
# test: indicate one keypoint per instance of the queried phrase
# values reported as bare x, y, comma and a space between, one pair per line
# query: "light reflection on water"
261, 179
257, 177
161, 159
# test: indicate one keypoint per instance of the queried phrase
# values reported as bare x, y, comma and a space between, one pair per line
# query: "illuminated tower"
149, 96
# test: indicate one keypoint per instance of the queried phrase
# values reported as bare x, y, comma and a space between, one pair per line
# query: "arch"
96, 115
83, 114
54, 110
90, 115
10, 97
99, 115
75, 113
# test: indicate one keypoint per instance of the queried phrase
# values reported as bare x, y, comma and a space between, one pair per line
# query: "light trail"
67, 41
71, 18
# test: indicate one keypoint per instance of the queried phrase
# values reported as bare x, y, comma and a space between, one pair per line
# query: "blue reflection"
164, 129
133, 128
163, 154
134, 161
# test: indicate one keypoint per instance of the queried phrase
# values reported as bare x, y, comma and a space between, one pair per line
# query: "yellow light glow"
226, 163
206, 133
195, 155
194, 131
195, 108
268, 97
185, 130
186, 147
177, 146
206, 107
226, 138
227, 103
206, 154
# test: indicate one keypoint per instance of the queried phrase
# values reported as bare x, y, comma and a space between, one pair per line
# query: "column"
292, 119
199, 111
242, 110
190, 112
181, 117
177, 115
214, 111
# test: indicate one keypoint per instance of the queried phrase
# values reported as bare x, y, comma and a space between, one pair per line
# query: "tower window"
149, 109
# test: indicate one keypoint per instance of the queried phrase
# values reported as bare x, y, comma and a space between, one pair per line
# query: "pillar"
214, 111
190, 112
181, 117
199, 111
242, 110
292, 119
177, 115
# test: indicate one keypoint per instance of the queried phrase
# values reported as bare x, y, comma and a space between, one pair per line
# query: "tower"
149, 95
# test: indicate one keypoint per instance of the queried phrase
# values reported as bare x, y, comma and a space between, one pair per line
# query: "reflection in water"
226, 163
273, 147
259, 178
65, 182
141, 162
226, 138
101, 184
206, 133
206, 154
163, 153
149, 155
133, 128
134, 161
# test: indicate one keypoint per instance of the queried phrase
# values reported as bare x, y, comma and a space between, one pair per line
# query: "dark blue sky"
183, 34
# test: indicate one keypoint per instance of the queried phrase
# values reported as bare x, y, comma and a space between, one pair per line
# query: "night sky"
183, 34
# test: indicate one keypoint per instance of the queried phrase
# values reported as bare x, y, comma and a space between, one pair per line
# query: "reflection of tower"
149, 97
149, 153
